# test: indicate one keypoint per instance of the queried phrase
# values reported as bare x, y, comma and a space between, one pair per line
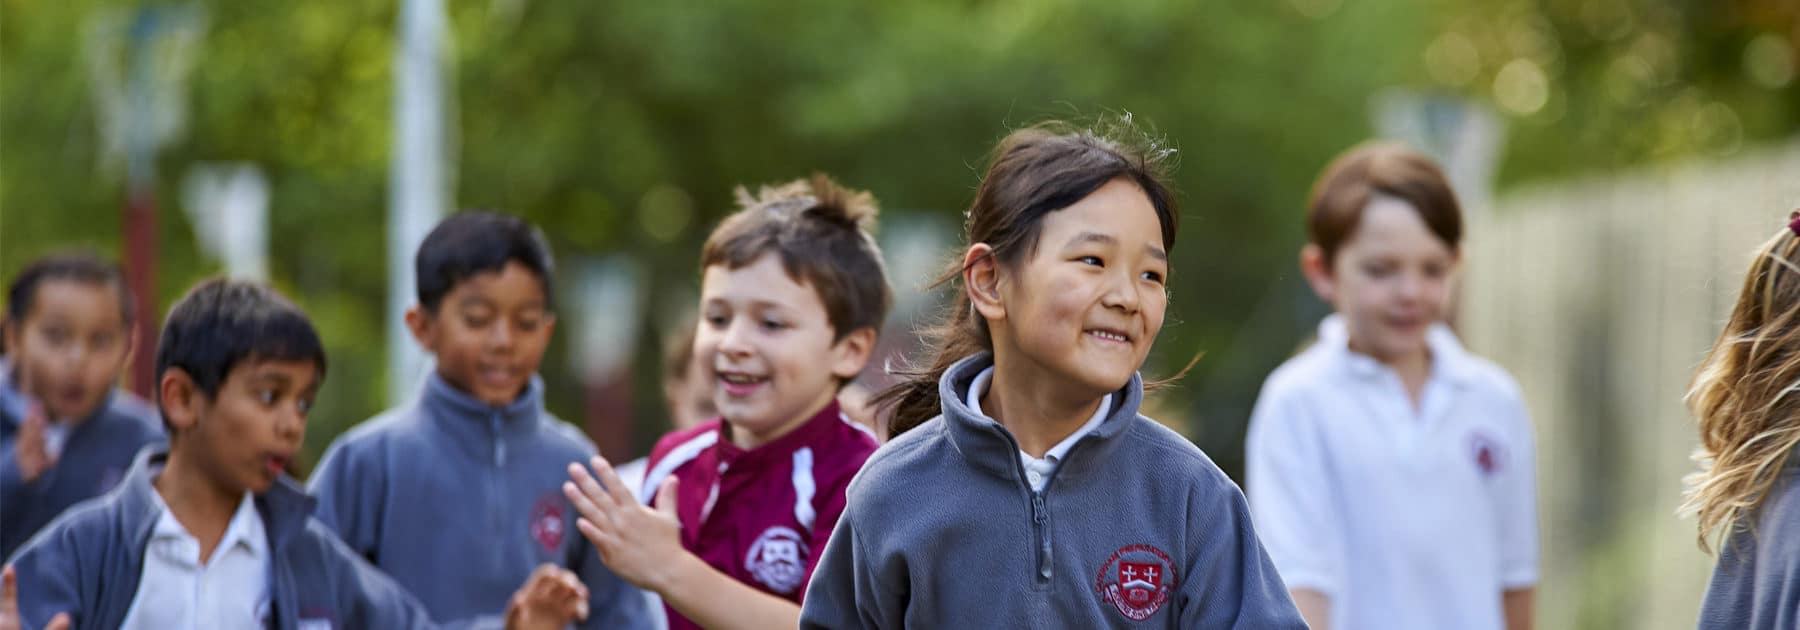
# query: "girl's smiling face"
1084, 305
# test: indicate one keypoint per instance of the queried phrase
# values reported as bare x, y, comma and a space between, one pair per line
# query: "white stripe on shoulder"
804, 487
858, 426
677, 456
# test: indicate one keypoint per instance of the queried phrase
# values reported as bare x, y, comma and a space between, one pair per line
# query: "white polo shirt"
1405, 517
231, 590
1038, 471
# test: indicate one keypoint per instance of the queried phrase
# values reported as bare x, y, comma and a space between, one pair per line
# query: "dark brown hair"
1380, 168
1033, 171
821, 231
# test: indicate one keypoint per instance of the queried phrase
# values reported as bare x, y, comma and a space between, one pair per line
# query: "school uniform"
1756, 583
91, 457
760, 515
1131, 527
460, 501
1404, 516
99, 563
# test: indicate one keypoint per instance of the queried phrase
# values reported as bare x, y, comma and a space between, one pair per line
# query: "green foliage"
621, 127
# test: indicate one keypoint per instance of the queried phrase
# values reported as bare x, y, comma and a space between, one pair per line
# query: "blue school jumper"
1757, 581
98, 452
460, 501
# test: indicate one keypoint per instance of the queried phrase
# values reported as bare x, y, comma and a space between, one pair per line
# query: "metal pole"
418, 188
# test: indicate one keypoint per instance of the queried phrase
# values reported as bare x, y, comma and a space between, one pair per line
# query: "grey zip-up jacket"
459, 501
93, 460
88, 562
1136, 528
1756, 584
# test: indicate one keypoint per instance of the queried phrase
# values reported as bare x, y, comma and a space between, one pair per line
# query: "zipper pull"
1037, 508
499, 442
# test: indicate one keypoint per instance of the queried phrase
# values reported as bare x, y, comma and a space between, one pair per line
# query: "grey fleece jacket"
1135, 529
1757, 581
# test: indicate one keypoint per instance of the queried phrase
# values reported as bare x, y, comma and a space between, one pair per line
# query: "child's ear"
981, 281
180, 397
548, 324
419, 323
1318, 272
850, 354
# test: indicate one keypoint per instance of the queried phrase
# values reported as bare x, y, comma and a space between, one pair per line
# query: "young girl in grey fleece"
1747, 490
1023, 489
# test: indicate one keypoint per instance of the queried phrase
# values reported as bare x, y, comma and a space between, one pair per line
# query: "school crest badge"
778, 559
1488, 454
547, 526
1136, 580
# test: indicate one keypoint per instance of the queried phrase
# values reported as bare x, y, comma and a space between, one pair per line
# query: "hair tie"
1794, 222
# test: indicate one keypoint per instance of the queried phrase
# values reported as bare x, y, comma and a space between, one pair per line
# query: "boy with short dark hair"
455, 495
66, 433
210, 533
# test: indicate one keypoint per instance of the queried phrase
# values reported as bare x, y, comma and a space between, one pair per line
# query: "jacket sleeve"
845, 591
350, 492
1231, 583
368, 598
50, 576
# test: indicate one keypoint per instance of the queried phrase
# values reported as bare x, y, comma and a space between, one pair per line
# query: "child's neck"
203, 508
746, 439
1038, 411
1413, 368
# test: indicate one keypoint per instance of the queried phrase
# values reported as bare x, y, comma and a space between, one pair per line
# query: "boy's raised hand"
552, 598
640, 544
33, 452
9, 605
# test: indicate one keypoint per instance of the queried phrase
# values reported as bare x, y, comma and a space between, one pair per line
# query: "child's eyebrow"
1156, 252
272, 378
1092, 237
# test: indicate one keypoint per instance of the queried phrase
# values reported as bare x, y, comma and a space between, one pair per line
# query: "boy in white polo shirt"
1390, 471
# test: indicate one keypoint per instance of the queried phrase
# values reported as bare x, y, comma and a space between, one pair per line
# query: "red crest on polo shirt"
1487, 453
547, 525
1136, 580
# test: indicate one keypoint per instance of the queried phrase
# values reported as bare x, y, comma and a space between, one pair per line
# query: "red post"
608, 418
140, 275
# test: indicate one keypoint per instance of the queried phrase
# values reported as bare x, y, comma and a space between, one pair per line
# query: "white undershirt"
229, 591
1037, 471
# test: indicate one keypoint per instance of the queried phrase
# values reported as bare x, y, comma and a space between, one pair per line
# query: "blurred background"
1618, 160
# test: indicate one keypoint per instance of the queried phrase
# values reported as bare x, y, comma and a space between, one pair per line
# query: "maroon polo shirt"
762, 515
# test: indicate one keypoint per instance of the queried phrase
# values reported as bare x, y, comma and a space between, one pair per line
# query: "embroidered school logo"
778, 559
1488, 454
547, 522
1136, 580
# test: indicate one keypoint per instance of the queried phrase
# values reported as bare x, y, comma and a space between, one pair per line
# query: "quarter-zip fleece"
459, 501
1135, 528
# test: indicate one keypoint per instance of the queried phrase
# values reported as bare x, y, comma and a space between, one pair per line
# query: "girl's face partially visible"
1085, 305
1390, 280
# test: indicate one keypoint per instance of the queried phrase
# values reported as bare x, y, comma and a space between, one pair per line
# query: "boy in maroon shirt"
792, 294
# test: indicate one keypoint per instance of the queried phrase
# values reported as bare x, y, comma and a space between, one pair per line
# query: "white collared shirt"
1037, 471
1405, 516
229, 591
